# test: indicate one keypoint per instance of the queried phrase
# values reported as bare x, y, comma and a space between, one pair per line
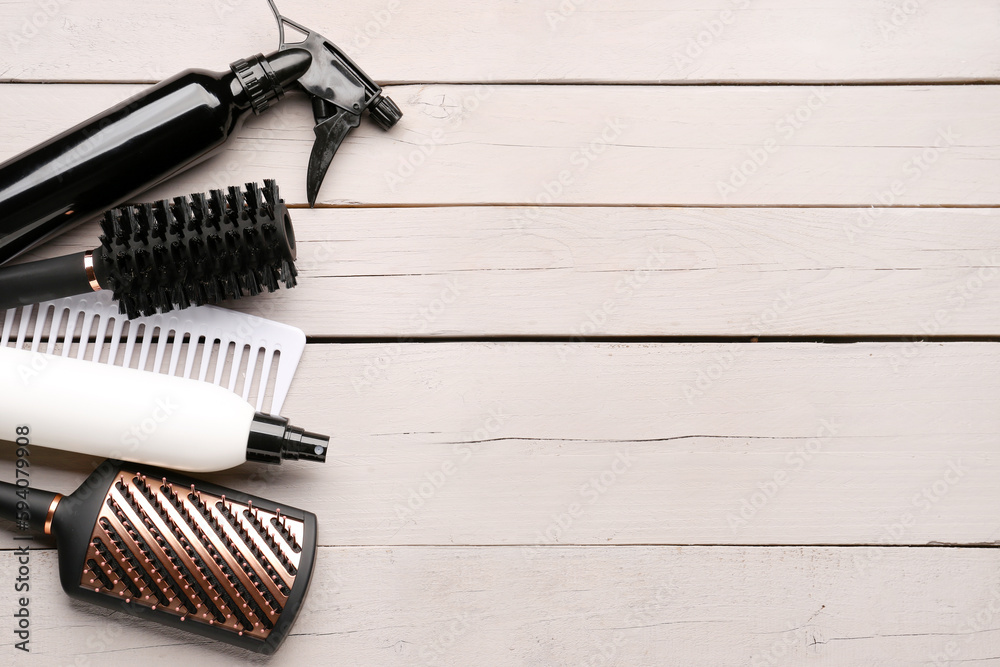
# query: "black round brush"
188, 251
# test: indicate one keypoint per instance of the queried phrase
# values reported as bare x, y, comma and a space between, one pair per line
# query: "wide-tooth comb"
186, 553
193, 343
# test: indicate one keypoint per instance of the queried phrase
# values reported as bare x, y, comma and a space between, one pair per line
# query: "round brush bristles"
196, 250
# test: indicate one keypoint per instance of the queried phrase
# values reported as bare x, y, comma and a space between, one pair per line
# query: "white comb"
208, 340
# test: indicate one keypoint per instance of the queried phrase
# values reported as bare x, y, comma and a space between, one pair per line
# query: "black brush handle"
29, 511
43, 280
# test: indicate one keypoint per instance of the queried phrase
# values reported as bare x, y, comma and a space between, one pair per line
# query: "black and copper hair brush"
174, 253
179, 551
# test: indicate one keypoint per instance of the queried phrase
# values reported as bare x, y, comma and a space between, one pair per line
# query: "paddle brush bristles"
196, 250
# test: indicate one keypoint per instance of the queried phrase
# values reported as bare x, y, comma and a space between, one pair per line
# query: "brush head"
189, 554
197, 250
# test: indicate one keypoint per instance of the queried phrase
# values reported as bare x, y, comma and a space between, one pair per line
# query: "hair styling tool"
124, 413
179, 551
180, 252
175, 124
199, 342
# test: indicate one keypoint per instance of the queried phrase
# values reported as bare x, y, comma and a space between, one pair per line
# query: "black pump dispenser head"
272, 440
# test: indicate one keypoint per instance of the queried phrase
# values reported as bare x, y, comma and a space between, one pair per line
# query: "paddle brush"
187, 251
179, 551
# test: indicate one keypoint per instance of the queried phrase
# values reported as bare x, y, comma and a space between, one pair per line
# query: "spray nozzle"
340, 93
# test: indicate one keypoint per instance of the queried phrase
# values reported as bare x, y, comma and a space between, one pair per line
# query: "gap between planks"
569, 606
657, 146
580, 82
597, 40
625, 545
367, 275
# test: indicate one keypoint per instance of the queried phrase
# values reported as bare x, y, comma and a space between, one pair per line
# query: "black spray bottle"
177, 123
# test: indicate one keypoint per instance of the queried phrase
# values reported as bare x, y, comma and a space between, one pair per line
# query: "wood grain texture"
595, 504
628, 145
537, 444
581, 606
493, 271
550, 40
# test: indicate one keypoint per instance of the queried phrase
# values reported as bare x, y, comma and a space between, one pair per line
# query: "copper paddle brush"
179, 551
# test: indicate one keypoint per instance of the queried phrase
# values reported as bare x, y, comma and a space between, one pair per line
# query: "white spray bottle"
134, 415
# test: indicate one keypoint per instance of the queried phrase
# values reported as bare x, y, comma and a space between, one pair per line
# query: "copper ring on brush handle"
51, 513
88, 266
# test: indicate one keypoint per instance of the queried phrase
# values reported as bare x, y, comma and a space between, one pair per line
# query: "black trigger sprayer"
175, 124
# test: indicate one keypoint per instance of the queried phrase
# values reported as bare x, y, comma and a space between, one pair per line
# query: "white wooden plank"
635, 272
579, 606
533, 443
632, 145
551, 40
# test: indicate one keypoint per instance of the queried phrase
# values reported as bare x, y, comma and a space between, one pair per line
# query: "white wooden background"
657, 332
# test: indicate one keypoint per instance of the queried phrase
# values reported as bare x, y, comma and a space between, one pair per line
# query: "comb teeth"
256, 360
196, 250
194, 555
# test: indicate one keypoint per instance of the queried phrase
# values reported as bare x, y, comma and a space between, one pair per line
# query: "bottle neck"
260, 80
